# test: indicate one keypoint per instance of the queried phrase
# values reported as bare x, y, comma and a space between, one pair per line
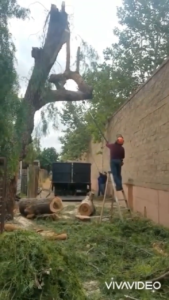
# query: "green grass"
92, 252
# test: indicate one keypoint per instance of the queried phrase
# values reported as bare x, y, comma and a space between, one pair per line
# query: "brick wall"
144, 122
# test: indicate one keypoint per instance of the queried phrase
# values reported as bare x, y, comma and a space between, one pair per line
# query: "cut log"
50, 235
34, 206
83, 218
86, 208
12, 227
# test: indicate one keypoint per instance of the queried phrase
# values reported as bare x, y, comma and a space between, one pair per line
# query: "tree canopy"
142, 45
9, 101
46, 157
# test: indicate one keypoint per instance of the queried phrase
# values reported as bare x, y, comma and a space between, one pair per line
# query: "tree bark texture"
11, 189
34, 206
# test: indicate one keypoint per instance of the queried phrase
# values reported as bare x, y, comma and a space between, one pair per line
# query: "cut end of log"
86, 207
34, 206
57, 204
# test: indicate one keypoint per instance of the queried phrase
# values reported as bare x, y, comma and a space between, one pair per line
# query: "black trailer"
71, 180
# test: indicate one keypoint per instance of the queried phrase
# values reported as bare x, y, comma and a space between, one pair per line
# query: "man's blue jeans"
116, 172
101, 189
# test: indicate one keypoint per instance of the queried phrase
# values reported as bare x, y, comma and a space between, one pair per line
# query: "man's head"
120, 139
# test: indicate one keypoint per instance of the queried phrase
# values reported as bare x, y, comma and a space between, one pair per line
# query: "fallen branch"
130, 298
96, 268
49, 235
83, 218
163, 276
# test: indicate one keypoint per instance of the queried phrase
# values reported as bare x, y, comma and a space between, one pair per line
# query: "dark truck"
71, 180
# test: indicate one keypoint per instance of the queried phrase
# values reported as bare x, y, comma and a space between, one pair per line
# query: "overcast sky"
91, 20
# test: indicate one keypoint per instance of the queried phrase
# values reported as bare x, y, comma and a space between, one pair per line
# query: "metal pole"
96, 124
98, 127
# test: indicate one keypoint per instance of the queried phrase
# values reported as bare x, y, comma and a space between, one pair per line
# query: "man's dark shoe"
119, 189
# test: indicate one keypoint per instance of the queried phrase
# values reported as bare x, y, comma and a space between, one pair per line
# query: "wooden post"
130, 195
36, 169
33, 178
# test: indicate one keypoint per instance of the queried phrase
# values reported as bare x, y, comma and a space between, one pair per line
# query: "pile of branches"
34, 269
133, 251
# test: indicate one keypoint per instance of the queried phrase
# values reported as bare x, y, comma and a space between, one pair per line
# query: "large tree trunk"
11, 189
34, 206
36, 95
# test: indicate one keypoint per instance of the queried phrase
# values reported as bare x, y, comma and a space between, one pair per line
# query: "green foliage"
47, 156
33, 151
125, 251
9, 102
143, 39
77, 137
33, 268
111, 89
142, 45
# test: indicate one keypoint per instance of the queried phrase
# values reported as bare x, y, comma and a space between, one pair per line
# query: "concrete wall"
144, 122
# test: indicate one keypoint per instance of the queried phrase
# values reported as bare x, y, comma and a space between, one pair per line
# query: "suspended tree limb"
84, 90
36, 95
65, 95
75, 76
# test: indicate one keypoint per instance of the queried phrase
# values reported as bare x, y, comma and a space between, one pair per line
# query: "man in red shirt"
117, 154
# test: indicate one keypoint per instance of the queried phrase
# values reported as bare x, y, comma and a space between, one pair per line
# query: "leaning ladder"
110, 179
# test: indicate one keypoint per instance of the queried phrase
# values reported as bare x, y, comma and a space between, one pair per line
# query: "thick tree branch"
57, 36
82, 85
64, 95
36, 97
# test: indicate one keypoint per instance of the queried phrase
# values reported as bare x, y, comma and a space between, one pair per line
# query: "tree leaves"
142, 44
9, 102
47, 157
